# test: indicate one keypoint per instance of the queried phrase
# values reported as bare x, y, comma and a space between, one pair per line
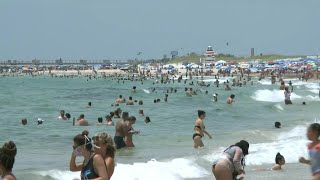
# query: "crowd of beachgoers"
99, 151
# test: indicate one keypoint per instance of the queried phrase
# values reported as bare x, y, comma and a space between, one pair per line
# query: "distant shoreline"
112, 72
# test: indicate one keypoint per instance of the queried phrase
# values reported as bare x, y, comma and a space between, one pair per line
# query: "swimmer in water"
277, 124
120, 100
188, 92
89, 105
62, 115
280, 161
109, 121
215, 97
166, 98
68, 116
24, 121
117, 113
100, 120
130, 102
147, 120
230, 99
227, 88
82, 121
199, 130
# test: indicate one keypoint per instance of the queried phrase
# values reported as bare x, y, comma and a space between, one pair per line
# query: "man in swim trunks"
121, 131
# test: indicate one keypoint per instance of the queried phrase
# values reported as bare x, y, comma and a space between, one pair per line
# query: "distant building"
210, 56
252, 52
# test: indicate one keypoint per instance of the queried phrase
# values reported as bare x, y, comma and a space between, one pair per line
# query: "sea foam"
175, 169
291, 144
272, 95
146, 91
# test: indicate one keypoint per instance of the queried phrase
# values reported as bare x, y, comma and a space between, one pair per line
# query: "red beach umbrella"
232, 63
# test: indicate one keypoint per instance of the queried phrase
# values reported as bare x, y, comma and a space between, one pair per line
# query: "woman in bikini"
231, 163
199, 130
93, 165
131, 132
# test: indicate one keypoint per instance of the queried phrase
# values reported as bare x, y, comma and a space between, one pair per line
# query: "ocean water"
164, 148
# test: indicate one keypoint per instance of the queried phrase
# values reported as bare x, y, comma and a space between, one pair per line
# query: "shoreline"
122, 73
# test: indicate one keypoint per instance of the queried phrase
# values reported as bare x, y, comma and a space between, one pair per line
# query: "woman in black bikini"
199, 130
93, 166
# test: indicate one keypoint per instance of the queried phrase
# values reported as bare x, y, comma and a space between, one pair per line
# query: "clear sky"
107, 29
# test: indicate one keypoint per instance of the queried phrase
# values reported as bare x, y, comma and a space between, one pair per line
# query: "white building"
210, 56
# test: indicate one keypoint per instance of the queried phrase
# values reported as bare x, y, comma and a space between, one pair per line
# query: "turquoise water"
164, 148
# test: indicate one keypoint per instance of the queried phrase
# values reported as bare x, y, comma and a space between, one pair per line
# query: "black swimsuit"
118, 140
88, 171
196, 134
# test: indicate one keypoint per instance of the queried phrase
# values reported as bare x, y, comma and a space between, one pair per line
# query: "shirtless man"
120, 100
130, 102
121, 131
82, 121
230, 99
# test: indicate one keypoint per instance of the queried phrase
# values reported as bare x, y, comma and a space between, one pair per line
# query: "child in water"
280, 161
313, 134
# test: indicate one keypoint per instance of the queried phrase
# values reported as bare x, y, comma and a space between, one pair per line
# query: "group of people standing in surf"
99, 151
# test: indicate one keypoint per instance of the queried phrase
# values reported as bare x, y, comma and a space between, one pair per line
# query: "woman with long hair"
231, 163
103, 145
7, 158
93, 166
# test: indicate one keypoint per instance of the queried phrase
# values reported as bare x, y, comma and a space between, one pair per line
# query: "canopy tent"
220, 62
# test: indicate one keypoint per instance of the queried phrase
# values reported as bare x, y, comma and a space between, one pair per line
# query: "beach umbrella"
270, 63
232, 63
221, 62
